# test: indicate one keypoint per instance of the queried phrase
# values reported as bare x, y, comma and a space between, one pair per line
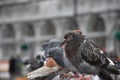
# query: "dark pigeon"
79, 49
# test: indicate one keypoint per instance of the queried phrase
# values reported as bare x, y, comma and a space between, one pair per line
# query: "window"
117, 39
27, 30
8, 49
8, 31
118, 14
48, 28
31, 48
96, 24
72, 24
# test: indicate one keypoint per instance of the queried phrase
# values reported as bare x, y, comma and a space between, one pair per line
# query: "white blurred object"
41, 72
95, 77
4, 69
56, 77
49, 67
4, 75
1, 54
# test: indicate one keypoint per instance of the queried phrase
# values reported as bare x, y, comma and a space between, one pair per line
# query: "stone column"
1, 34
110, 21
83, 21
60, 25
18, 36
38, 28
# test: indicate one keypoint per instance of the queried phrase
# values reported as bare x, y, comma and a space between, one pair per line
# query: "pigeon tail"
41, 72
113, 69
104, 75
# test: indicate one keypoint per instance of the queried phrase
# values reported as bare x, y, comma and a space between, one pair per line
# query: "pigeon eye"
70, 37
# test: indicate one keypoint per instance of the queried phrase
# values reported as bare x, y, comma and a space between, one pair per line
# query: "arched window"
28, 30
8, 49
96, 24
117, 39
118, 14
48, 28
72, 24
8, 31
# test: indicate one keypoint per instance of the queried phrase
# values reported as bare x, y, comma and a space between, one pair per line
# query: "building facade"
35, 21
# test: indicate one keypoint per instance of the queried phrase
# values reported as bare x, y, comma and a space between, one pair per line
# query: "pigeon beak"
63, 42
49, 67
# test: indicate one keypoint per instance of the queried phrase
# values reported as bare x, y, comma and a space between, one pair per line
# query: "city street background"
25, 25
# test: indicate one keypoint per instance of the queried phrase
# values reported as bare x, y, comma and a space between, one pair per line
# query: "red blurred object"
84, 78
76, 77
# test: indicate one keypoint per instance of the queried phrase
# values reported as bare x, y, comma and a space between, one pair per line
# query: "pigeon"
79, 49
42, 54
42, 57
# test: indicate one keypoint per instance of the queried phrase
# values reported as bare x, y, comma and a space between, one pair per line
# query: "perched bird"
45, 63
79, 49
42, 55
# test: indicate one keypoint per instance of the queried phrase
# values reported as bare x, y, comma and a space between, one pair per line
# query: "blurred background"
26, 24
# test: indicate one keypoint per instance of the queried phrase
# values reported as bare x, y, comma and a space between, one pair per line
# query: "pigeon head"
54, 43
51, 43
72, 34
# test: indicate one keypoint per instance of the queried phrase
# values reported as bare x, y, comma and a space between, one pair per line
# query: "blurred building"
35, 21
